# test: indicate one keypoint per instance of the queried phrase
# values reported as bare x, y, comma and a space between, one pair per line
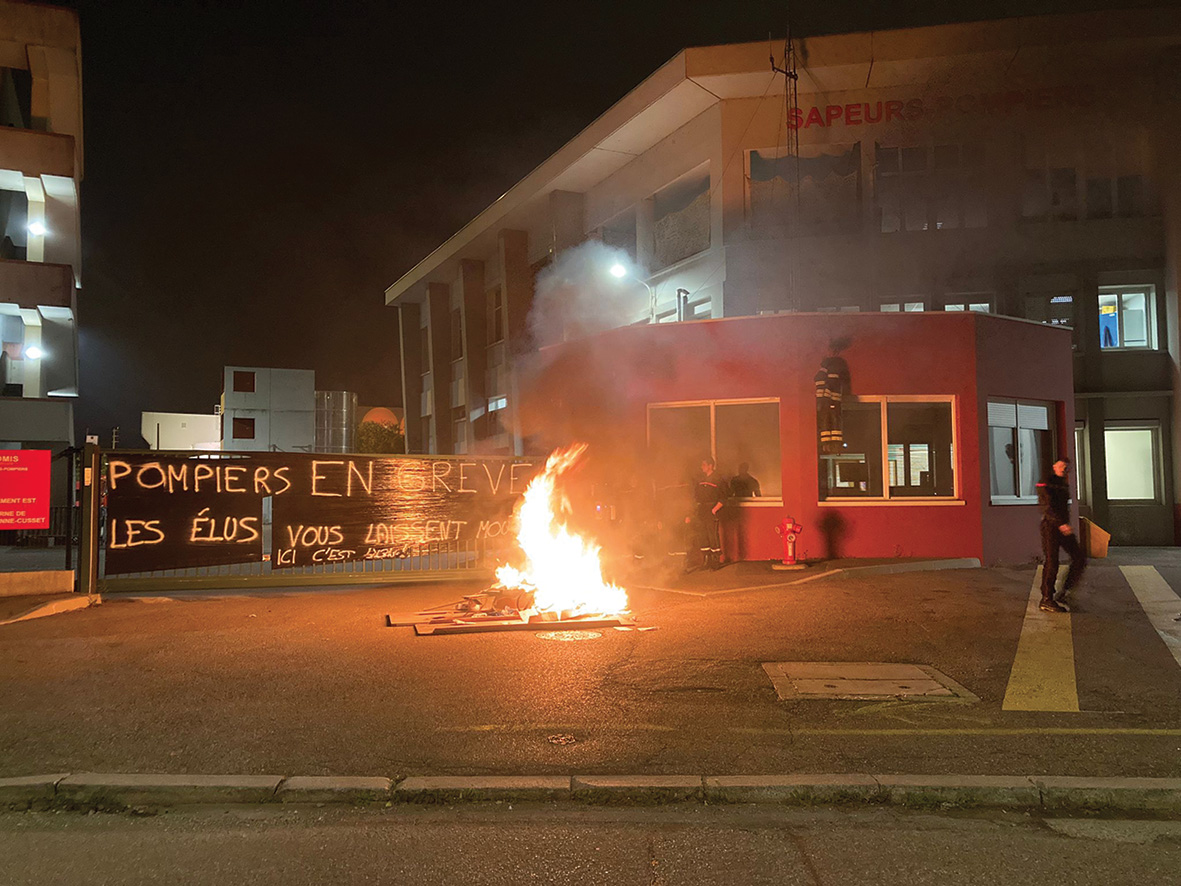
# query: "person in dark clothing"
709, 494
1054, 498
743, 485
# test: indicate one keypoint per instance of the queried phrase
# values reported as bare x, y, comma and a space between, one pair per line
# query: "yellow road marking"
1160, 603
1043, 676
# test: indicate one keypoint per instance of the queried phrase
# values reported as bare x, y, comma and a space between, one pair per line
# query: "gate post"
88, 531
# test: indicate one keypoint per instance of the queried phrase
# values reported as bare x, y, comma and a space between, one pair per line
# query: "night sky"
257, 173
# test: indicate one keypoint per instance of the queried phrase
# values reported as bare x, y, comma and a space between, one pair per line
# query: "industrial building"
1023, 167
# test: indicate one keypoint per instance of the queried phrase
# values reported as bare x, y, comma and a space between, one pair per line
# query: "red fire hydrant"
789, 530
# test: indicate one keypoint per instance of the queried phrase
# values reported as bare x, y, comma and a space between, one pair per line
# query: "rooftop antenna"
791, 98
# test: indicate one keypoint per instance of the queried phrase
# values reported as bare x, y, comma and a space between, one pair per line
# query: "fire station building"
988, 214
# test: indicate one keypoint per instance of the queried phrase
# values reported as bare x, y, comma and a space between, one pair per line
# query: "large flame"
561, 568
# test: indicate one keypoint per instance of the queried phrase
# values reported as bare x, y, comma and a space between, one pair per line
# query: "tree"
380, 439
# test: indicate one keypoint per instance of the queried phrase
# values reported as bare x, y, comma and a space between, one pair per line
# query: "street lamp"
32, 352
618, 271
37, 229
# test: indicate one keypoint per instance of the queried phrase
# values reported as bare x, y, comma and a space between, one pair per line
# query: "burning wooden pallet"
493, 610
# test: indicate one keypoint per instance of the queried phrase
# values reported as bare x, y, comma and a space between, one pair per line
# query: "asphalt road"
569, 845
316, 684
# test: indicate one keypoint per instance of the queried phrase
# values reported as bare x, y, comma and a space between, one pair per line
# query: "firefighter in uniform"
1054, 497
709, 494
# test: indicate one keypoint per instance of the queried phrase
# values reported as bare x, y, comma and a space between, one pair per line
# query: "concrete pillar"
409, 321
438, 296
517, 282
645, 232
474, 298
1167, 178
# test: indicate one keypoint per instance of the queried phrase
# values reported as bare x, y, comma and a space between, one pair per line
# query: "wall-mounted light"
32, 352
37, 229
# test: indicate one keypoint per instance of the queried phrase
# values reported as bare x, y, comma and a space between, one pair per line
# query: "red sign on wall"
24, 488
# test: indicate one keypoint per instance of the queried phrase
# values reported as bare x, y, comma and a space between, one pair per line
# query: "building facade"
1022, 167
40, 254
268, 410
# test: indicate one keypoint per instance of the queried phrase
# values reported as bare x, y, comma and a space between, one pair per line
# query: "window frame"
761, 501
239, 378
244, 421
883, 401
1051, 408
1148, 290
1153, 426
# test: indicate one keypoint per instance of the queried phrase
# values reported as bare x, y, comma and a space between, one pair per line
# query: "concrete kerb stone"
796, 790
447, 789
925, 791
67, 603
1126, 794
126, 791
29, 791
334, 789
638, 790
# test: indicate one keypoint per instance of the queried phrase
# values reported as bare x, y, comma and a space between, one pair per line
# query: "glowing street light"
32, 352
618, 271
37, 229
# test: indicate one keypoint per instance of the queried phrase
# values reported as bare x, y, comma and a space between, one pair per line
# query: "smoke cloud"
577, 296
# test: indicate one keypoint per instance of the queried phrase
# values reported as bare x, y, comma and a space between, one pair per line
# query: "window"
459, 435
243, 382
918, 460
424, 348
1020, 449
1120, 196
1081, 470
243, 429
1132, 459
1127, 317
930, 188
495, 315
680, 435
1050, 193
817, 191
904, 306
981, 302
681, 219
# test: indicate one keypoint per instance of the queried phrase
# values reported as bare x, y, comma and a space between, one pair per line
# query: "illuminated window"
243, 382
1127, 317
917, 461
243, 429
908, 306
1020, 449
1133, 461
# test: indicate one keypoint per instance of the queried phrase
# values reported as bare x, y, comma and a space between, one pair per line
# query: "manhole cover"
862, 680
568, 636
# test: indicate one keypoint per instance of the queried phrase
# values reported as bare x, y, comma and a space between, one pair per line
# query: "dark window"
243, 383
456, 334
495, 315
243, 429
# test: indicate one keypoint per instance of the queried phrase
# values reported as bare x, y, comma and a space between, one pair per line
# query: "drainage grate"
862, 680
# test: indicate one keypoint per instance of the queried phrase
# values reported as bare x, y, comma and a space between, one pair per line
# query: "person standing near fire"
1054, 497
709, 494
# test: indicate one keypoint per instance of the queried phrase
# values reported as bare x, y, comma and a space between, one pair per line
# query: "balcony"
32, 284
37, 153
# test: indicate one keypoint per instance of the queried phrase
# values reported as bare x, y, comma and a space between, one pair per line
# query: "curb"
67, 603
114, 792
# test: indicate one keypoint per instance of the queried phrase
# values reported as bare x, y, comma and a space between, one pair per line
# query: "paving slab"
333, 789
29, 791
442, 789
804, 790
121, 790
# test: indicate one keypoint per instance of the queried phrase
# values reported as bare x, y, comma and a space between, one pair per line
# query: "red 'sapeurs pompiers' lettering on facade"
985, 104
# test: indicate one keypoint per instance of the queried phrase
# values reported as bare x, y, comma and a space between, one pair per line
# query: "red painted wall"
598, 390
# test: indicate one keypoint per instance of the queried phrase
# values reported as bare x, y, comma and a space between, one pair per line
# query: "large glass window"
921, 188
816, 190
733, 432
1020, 448
681, 219
1132, 460
1127, 317
917, 460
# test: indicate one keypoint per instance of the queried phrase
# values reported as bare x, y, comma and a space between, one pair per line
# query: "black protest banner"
172, 511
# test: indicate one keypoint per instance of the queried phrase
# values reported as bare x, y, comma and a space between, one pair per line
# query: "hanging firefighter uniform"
831, 384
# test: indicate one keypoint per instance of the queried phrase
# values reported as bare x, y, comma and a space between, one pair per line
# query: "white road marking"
1160, 603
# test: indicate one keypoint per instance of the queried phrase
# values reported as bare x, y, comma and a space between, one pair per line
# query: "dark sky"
258, 172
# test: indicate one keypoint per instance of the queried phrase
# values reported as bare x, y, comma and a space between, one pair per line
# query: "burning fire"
561, 568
